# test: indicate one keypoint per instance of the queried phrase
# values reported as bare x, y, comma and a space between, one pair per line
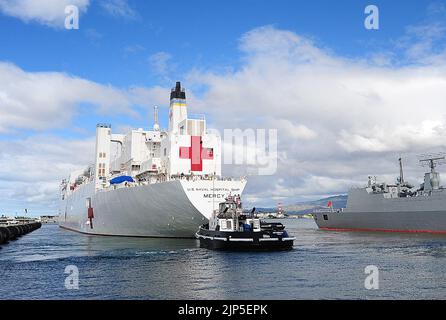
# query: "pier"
13, 232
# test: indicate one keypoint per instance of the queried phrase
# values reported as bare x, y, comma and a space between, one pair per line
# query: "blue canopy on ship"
121, 179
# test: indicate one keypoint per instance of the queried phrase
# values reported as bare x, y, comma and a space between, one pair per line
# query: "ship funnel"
178, 109
177, 92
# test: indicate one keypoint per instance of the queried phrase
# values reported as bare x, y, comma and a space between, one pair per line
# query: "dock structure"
13, 232
48, 219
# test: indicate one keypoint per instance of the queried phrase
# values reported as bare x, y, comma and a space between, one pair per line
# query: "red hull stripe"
383, 230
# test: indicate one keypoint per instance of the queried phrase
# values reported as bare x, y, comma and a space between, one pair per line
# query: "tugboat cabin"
231, 229
230, 218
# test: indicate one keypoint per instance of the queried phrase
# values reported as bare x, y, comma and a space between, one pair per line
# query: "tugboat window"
325, 217
228, 224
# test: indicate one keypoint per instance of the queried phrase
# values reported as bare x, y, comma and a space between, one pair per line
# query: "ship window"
228, 224
165, 151
325, 217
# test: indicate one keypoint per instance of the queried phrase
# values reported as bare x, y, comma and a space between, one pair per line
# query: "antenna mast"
156, 126
432, 179
401, 171
433, 161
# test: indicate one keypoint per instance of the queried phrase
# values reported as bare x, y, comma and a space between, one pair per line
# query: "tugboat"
231, 229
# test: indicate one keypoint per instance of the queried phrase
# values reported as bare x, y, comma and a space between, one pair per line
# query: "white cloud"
133, 49
423, 43
293, 130
119, 8
47, 12
32, 169
339, 119
160, 63
153, 96
42, 100
426, 134
419, 41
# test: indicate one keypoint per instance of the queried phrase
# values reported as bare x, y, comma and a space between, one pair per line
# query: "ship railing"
206, 178
329, 210
172, 178
196, 116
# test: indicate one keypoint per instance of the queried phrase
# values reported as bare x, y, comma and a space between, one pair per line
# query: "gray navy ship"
392, 208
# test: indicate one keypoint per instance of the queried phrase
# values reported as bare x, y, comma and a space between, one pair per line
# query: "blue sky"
116, 48
122, 45
199, 33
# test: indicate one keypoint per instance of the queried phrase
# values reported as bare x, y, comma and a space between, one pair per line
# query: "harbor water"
323, 265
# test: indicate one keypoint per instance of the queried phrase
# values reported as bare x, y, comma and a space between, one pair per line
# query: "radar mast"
401, 171
156, 126
432, 178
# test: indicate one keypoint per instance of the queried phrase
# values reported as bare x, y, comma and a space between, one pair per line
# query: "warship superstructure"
400, 207
159, 184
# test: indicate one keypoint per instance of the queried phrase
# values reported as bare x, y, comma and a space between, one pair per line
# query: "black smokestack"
177, 92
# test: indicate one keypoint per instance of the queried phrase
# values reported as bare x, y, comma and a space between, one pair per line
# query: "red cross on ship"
196, 153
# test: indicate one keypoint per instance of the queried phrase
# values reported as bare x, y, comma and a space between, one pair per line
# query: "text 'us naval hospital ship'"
160, 184
400, 207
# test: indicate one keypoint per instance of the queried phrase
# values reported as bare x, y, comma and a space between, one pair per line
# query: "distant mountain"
308, 206
262, 210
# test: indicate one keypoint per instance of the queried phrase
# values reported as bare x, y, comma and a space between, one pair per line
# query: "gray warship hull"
408, 222
378, 212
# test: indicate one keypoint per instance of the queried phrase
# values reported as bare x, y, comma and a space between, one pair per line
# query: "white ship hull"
173, 209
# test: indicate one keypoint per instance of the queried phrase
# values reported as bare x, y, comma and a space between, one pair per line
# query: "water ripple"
323, 265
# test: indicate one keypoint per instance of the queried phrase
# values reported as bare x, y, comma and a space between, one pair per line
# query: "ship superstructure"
399, 207
160, 183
